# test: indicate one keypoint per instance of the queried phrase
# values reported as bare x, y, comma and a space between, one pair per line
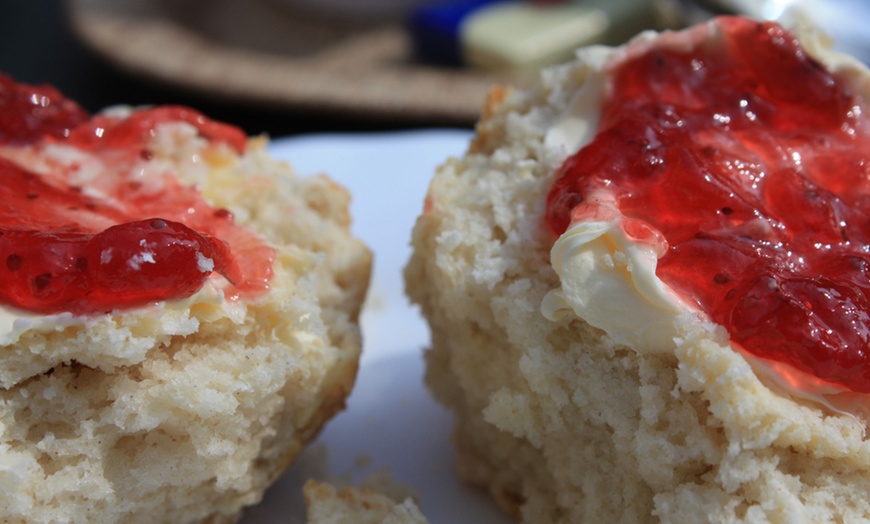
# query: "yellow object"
522, 36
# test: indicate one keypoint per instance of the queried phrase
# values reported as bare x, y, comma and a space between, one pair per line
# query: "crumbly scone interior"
560, 423
188, 412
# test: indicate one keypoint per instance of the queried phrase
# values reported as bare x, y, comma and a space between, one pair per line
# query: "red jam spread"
753, 162
32, 112
64, 249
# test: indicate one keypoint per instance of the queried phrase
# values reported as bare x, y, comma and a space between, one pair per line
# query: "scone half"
564, 419
182, 410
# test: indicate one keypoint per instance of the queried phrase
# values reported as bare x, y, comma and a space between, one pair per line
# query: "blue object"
434, 29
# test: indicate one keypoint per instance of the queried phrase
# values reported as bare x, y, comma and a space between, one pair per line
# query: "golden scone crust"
186, 411
556, 420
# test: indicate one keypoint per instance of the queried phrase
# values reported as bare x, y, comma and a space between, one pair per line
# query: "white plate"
391, 422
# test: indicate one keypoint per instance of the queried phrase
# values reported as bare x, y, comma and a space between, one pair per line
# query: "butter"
524, 37
609, 280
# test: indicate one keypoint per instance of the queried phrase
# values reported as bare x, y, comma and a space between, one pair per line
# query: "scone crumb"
382, 481
326, 505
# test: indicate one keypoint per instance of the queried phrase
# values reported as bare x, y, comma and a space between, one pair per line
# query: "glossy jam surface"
103, 132
124, 242
752, 161
30, 113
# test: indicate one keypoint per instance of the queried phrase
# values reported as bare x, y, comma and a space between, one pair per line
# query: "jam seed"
42, 281
13, 262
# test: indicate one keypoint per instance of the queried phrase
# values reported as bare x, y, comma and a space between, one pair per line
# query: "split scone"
647, 284
178, 312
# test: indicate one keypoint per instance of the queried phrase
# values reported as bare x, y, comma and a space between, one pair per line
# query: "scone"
358, 506
179, 312
647, 284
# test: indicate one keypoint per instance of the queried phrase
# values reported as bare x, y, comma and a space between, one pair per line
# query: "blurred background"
39, 45
289, 67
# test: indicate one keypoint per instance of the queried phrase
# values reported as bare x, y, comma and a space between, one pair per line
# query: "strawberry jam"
124, 241
753, 162
31, 112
